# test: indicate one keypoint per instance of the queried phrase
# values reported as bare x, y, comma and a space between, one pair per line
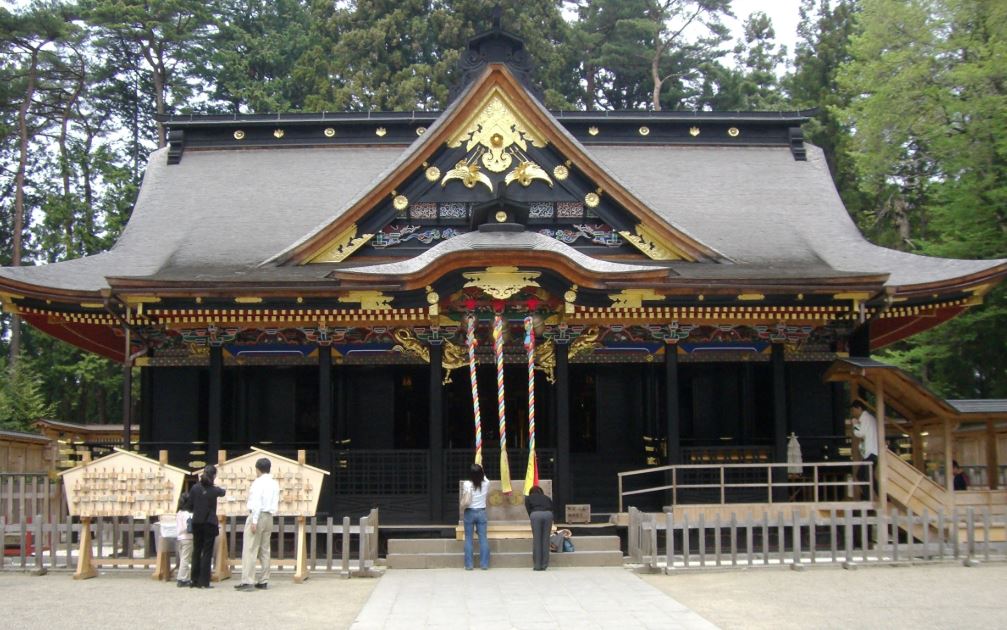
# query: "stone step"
509, 560
497, 545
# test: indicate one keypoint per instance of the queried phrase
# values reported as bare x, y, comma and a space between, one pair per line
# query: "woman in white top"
475, 516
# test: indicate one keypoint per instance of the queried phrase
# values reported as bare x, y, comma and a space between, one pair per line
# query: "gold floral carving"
655, 247
344, 244
585, 343
545, 359
495, 127
634, 298
501, 282
526, 172
453, 357
368, 300
409, 344
468, 174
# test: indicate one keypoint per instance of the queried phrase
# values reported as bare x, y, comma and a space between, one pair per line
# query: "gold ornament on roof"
651, 244
278, 133
560, 172
693, 131
733, 132
501, 216
344, 244
329, 132
644, 131
380, 132
433, 174
634, 298
493, 129
239, 135
469, 174
591, 200
401, 202
420, 131
501, 282
526, 172
368, 300
592, 130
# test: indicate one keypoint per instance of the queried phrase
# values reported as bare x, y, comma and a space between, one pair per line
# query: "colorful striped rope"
498, 345
531, 474
470, 343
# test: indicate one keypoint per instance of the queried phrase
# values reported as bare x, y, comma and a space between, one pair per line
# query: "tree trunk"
655, 73
22, 166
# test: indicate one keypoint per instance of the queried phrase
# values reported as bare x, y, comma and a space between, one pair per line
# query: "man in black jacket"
204, 497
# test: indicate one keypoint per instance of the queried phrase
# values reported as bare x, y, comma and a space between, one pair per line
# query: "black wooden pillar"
342, 431
779, 403
127, 404
747, 403
216, 396
860, 341
561, 485
325, 407
779, 417
127, 394
436, 432
671, 412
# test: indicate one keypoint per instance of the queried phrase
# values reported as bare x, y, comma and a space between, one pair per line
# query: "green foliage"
22, 400
928, 102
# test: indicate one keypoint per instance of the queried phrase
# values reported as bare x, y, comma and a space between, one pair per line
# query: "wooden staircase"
913, 491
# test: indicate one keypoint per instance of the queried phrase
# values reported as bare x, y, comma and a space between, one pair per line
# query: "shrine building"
307, 281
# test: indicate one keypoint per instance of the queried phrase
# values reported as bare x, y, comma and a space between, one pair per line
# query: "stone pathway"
505, 599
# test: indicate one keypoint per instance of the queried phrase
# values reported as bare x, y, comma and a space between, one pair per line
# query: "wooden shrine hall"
307, 281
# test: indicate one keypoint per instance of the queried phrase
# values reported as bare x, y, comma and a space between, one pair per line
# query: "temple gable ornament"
493, 130
501, 282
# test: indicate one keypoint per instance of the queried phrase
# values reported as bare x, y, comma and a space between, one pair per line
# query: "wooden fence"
836, 536
38, 533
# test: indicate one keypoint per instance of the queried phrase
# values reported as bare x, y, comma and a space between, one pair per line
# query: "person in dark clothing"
204, 497
961, 481
539, 508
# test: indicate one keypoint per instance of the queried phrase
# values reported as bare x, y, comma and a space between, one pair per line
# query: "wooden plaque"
300, 484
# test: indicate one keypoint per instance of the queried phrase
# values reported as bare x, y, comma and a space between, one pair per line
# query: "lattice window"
454, 210
569, 210
423, 210
540, 210
381, 472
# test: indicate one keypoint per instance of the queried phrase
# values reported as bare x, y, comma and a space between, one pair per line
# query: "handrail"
722, 485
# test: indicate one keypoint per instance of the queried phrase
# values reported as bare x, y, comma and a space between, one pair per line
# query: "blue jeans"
476, 517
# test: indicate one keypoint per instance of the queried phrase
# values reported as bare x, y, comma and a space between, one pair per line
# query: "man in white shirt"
865, 427
263, 501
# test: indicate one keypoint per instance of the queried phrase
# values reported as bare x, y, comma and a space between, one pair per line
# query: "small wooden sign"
578, 513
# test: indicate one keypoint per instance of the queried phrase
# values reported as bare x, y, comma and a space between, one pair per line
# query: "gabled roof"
496, 87
235, 214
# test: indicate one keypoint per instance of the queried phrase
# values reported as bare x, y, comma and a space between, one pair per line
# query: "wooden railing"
912, 489
37, 532
734, 483
668, 543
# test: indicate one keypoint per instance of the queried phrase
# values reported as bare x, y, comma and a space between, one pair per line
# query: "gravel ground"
130, 599
934, 596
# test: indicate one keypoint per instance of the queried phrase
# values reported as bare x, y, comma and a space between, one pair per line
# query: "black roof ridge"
194, 120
